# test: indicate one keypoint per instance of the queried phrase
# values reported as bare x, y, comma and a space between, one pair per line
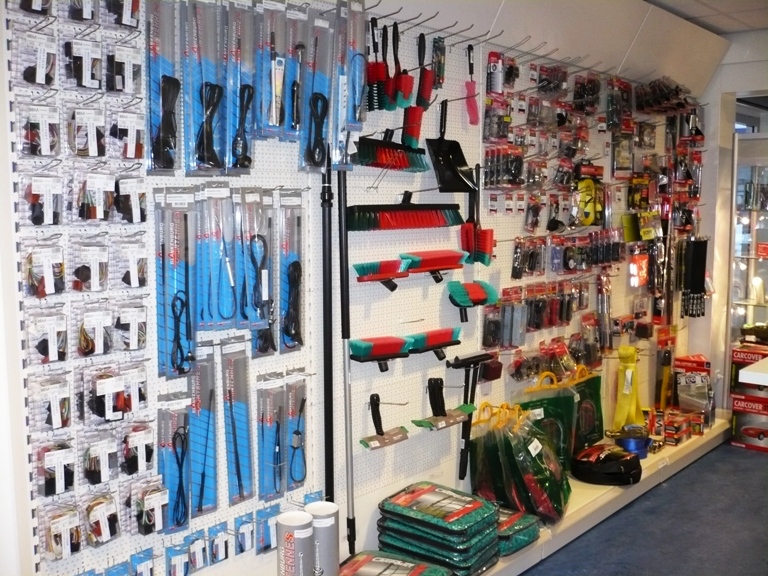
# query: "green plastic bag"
439, 540
553, 410
516, 531
589, 412
380, 562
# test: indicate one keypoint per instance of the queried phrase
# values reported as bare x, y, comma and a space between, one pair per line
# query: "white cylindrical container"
295, 545
325, 522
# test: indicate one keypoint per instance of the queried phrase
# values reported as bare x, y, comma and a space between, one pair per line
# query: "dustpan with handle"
451, 169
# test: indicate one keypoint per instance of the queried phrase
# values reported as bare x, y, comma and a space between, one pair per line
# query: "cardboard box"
749, 424
742, 356
678, 438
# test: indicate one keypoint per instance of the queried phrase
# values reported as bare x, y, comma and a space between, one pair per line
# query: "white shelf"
756, 373
590, 504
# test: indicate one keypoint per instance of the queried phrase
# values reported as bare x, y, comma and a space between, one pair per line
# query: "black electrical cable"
297, 447
210, 95
178, 309
240, 142
292, 320
164, 144
318, 110
201, 496
180, 509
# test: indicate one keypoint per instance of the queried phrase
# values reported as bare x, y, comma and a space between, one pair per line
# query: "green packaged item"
372, 563
535, 458
516, 531
444, 557
439, 540
439, 508
553, 410
589, 412
481, 565
474, 547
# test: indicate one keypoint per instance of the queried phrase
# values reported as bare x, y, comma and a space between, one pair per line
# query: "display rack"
419, 304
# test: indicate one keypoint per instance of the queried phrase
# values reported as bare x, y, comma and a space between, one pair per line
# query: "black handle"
432, 398
384, 42
443, 117
439, 398
273, 52
296, 113
374, 41
376, 414
466, 430
471, 59
396, 46
422, 48
476, 194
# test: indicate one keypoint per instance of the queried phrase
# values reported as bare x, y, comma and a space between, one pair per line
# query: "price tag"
145, 568
537, 413
46, 258
37, 5
246, 531
52, 326
131, 123
272, 523
56, 460
178, 563
128, 19
509, 203
320, 23
156, 501
323, 522
62, 526
235, 347
107, 387
95, 256
96, 321
129, 57
290, 201
44, 45
534, 447
628, 382
101, 450
217, 193
88, 51
90, 119
196, 553
87, 8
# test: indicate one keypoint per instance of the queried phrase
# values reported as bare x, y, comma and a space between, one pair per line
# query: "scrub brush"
472, 109
470, 294
426, 77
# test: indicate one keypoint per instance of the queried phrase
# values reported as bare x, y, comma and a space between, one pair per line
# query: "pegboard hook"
45, 96
133, 167
523, 41
88, 31
442, 29
476, 38
421, 23
44, 24
459, 32
129, 37
539, 57
395, 13
52, 164
388, 404
410, 19
374, 6
133, 102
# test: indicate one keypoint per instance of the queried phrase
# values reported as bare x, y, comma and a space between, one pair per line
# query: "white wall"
743, 72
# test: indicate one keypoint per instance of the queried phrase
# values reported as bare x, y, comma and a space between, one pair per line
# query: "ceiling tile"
735, 5
686, 8
756, 19
720, 24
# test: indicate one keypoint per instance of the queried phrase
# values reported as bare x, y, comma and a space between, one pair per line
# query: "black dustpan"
451, 169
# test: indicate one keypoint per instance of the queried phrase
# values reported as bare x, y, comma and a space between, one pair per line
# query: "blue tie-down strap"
163, 347
297, 458
290, 302
355, 89
270, 460
241, 285
238, 440
224, 292
258, 104
179, 312
204, 315
202, 454
316, 113
291, 126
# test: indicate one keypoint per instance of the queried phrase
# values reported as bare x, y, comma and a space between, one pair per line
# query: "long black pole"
344, 290
326, 203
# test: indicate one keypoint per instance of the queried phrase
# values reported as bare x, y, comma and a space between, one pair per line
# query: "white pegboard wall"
418, 305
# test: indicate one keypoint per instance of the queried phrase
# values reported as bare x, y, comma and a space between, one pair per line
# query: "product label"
196, 553
43, 45
155, 501
246, 531
90, 120
131, 123
129, 57
57, 459
437, 502
323, 522
88, 51
534, 447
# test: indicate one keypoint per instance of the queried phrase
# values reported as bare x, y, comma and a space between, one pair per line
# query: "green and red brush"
389, 99
435, 340
384, 271
413, 115
435, 261
403, 216
403, 80
426, 77
379, 349
471, 294
477, 241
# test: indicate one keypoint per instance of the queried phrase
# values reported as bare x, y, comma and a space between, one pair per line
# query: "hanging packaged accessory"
202, 435
240, 86
296, 420
291, 281
317, 94
271, 403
